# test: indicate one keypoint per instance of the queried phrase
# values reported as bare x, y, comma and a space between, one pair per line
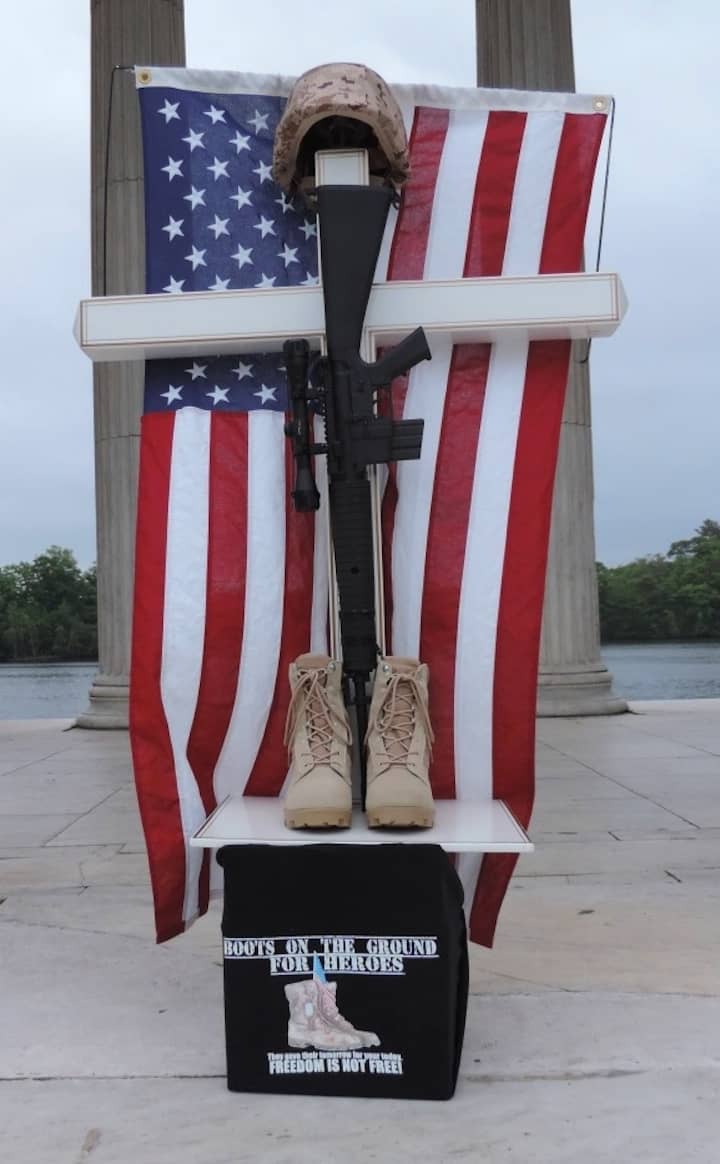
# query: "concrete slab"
609, 815
592, 1033
584, 786
18, 830
62, 792
538, 1084
606, 854
23, 870
116, 819
580, 934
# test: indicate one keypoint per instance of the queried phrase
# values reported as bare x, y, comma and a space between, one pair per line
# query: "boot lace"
394, 721
309, 700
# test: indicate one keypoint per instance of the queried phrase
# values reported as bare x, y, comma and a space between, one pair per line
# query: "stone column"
127, 33
527, 44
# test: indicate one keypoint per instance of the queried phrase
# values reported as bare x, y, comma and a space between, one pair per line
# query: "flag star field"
216, 221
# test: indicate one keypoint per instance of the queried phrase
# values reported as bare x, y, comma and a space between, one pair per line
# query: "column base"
108, 704
585, 689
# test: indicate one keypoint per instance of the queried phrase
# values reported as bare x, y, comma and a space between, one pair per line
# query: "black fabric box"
345, 969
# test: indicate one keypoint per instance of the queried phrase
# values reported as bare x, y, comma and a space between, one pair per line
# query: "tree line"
666, 596
48, 607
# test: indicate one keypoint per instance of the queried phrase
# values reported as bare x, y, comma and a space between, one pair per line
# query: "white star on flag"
218, 394
219, 284
259, 121
195, 197
242, 198
240, 141
173, 169
285, 203
174, 227
243, 370
214, 114
197, 370
196, 258
265, 226
219, 226
309, 229
173, 393
219, 169
264, 171
242, 256
265, 393
174, 286
266, 281
310, 280
195, 140
288, 255
169, 111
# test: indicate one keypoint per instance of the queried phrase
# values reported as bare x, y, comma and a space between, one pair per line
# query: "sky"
654, 384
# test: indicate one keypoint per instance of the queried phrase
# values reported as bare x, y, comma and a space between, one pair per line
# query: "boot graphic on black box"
315, 1020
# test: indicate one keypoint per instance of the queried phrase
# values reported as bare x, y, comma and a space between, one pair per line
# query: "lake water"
640, 671
44, 690
664, 670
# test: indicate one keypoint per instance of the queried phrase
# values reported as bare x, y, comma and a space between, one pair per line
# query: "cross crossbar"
147, 327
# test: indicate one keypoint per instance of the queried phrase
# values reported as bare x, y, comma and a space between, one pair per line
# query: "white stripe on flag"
407, 108
494, 470
264, 586
454, 194
467, 867
445, 259
533, 183
482, 574
415, 483
184, 617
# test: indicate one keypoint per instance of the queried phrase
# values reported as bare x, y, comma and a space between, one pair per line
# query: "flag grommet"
600, 104
144, 77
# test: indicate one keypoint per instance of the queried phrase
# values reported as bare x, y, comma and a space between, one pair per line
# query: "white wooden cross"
165, 326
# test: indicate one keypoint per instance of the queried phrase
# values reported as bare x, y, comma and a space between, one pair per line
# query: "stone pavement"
593, 1029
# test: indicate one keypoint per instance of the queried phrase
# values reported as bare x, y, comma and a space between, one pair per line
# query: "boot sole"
318, 818
400, 817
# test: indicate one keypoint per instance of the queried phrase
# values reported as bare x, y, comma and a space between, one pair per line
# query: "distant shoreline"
48, 660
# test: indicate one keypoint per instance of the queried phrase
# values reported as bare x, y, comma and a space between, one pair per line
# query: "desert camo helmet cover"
338, 106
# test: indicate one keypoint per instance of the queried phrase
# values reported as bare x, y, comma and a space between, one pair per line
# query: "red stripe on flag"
152, 752
520, 613
457, 449
515, 692
409, 246
446, 540
493, 194
270, 768
523, 584
225, 606
570, 195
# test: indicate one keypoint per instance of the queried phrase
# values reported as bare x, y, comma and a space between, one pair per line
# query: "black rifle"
352, 222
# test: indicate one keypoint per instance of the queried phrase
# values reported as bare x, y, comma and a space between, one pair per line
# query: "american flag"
231, 583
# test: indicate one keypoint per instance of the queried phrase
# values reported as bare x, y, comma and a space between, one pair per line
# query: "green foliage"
668, 596
48, 609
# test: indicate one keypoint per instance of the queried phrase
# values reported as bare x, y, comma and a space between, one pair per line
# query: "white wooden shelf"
460, 827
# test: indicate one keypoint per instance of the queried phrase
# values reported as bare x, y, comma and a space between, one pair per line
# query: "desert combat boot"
399, 741
317, 732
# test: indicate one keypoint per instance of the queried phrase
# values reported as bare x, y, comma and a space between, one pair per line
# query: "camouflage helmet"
336, 106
